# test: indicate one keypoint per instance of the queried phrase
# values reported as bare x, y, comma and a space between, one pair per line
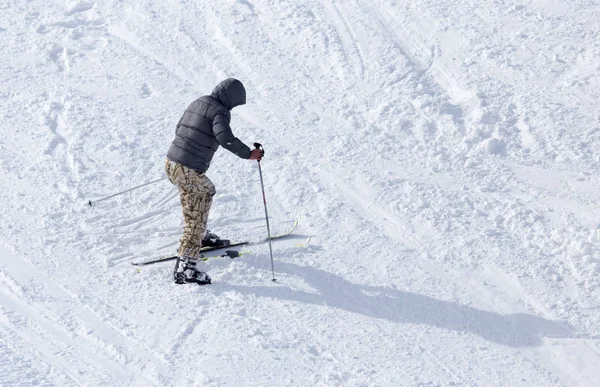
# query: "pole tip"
274, 280
90, 203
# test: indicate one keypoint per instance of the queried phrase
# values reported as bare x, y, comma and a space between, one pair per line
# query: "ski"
213, 248
228, 254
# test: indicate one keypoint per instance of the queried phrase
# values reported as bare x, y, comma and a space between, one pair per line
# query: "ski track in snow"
443, 156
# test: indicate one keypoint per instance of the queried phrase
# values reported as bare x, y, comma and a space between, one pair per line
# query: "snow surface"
445, 154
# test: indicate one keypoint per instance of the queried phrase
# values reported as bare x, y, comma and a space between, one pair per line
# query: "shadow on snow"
515, 330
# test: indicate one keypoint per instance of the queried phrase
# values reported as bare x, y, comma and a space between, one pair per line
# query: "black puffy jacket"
205, 125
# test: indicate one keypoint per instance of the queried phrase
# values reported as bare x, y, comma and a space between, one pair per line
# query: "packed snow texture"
444, 155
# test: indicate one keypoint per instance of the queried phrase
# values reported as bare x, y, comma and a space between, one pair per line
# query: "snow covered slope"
445, 154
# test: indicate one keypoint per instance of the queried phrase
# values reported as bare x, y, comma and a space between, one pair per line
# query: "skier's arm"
226, 139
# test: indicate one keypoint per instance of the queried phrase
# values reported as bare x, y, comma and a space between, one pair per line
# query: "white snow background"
443, 153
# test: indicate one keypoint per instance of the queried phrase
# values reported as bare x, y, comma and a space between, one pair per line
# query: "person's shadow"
515, 330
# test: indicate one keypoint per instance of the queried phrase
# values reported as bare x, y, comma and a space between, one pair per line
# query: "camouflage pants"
196, 192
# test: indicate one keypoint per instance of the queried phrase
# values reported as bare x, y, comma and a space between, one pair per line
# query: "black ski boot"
212, 240
186, 271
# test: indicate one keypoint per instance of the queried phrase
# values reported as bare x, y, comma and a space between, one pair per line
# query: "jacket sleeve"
226, 139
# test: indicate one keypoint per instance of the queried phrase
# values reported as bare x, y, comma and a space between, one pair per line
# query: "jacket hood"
230, 93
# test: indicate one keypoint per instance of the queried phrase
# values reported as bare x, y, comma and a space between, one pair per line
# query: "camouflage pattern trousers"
196, 192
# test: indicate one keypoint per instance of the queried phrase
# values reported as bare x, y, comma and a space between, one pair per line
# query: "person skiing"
203, 127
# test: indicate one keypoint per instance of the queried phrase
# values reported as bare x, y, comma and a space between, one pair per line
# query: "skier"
202, 128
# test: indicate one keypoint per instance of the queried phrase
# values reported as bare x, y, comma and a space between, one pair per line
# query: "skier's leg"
169, 166
196, 193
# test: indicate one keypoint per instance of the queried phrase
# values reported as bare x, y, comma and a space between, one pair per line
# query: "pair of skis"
229, 253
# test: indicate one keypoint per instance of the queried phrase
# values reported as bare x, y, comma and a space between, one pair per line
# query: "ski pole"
129, 190
262, 185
